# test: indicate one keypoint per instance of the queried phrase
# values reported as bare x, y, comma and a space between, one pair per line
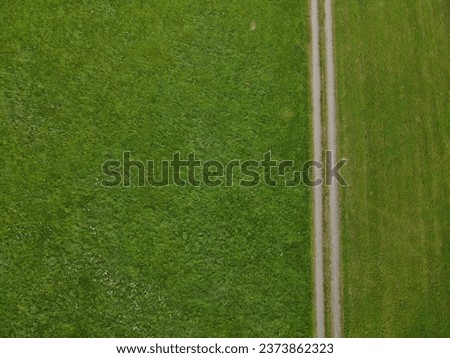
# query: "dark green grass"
394, 89
82, 81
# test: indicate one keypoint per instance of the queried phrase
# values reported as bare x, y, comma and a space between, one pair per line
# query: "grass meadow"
394, 85
83, 81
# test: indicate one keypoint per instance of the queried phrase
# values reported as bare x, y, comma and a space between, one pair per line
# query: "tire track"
318, 190
335, 245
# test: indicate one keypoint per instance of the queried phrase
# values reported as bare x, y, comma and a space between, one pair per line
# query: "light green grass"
81, 81
394, 88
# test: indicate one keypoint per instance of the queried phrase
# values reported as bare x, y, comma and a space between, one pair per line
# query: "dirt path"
333, 219
318, 190
335, 255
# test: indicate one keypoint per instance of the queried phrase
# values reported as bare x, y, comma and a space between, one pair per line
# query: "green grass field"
82, 81
394, 87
